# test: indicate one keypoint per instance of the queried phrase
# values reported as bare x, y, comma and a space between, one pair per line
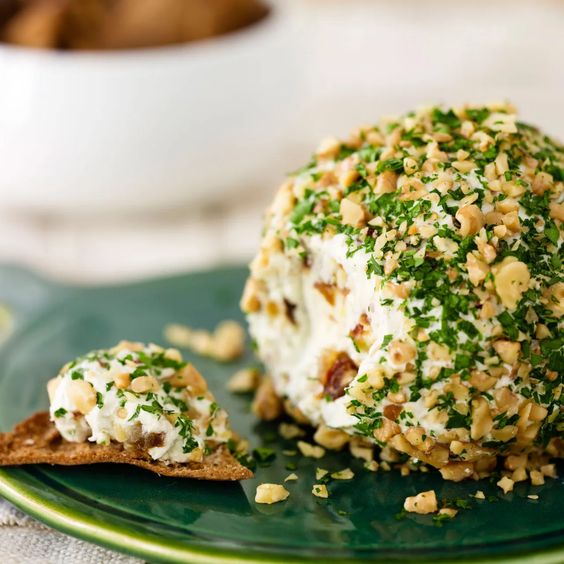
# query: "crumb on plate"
422, 503
320, 490
271, 493
244, 381
311, 451
225, 343
346, 474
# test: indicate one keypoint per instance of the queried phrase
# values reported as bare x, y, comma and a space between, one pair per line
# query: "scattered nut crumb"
185, 337
422, 503
295, 413
537, 478
361, 450
320, 473
310, 450
244, 381
320, 490
227, 342
290, 431
448, 511
6, 321
271, 493
291, 477
519, 474
480, 495
372, 466
266, 403
332, 439
549, 470
506, 484
346, 474
533, 496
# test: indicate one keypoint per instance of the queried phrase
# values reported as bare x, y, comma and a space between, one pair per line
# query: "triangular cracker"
37, 441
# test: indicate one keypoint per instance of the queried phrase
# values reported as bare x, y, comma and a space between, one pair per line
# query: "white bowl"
143, 129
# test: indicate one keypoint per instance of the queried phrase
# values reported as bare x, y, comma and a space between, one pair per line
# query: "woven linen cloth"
24, 540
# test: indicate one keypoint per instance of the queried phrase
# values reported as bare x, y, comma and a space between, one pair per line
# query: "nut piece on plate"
225, 343
271, 493
407, 291
290, 431
244, 381
423, 503
332, 439
346, 474
311, 451
506, 484
320, 490
266, 404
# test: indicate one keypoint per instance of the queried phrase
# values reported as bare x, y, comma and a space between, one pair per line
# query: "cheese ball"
409, 288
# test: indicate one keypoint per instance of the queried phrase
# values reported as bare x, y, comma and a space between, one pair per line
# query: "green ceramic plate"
163, 519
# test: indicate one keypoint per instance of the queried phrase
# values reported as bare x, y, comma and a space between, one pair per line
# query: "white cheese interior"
292, 352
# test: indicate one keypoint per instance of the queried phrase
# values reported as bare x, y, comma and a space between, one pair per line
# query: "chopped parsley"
185, 428
264, 455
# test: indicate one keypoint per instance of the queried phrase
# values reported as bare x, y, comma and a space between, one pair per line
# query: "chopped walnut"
422, 503
320, 490
310, 450
266, 404
244, 380
506, 484
227, 342
271, 493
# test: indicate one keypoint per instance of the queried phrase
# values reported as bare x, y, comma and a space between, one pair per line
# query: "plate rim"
124, 540
117, 537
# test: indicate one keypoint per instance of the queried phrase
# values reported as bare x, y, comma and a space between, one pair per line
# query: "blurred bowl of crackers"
118, 106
